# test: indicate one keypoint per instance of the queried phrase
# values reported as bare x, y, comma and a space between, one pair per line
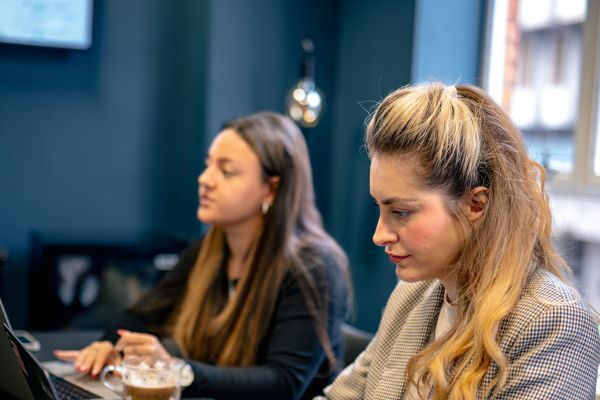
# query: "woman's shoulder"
544, 290
318, 270
321, 261
549, 301
190, 252
546, 287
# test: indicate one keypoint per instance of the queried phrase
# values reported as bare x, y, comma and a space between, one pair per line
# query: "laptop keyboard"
66, 390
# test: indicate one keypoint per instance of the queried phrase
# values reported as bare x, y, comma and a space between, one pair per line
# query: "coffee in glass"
147, 378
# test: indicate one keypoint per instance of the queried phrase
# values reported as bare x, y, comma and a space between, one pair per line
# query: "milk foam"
146, 376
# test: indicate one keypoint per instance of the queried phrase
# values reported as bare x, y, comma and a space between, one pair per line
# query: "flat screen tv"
47, 23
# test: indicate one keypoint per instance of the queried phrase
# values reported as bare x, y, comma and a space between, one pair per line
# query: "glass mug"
146, 378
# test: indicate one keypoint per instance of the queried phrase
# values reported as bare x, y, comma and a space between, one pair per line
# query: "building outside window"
535, 73
542, 64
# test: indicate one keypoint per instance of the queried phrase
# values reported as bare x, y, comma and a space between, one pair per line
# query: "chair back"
355, 342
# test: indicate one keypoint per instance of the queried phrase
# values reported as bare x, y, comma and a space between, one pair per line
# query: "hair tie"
451, 91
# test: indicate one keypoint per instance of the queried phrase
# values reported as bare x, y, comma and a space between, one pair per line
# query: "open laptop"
23, 378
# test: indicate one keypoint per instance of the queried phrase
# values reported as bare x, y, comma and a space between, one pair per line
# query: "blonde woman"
256, 306
484, 308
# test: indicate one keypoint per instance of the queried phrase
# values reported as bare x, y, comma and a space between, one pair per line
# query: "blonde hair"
210, 328
463, 140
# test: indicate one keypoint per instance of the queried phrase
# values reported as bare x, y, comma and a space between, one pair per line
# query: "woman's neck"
239, 241
450, 290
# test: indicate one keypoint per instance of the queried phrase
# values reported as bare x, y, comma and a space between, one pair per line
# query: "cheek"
421, 237
242, 197
432, 237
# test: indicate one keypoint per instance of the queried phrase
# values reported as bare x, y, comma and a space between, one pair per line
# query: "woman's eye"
228, 173
401, 213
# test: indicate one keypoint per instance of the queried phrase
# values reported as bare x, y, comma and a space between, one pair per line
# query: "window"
542, 65
596, 153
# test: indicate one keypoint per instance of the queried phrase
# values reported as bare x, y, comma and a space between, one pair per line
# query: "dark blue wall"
375, 53
110, 140
254, 58
98, 140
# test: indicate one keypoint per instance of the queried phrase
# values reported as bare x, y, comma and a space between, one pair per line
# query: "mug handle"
105, 382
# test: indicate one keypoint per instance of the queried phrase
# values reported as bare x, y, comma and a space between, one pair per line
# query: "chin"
204, 217
406, 276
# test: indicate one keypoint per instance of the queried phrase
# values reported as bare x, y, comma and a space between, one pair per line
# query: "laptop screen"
38, 380
12, 381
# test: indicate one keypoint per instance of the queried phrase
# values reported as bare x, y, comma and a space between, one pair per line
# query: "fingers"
140, 344
67, 355
130, 341
115, 358
139, 350
133, 338
98, 363
92, 358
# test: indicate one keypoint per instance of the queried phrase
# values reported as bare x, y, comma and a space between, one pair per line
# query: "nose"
205, 178
383, 235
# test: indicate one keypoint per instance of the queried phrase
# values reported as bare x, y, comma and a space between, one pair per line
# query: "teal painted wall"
374, 57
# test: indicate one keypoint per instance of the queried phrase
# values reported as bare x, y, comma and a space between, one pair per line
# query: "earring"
265, 207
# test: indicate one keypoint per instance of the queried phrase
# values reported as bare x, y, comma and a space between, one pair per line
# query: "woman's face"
421, 237
231, 187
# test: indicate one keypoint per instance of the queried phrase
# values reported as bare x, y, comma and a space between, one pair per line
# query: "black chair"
355, 341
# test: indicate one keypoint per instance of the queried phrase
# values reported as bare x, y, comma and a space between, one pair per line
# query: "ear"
273, 185
476, 203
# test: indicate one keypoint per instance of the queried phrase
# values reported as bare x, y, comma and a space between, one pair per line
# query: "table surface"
62, 340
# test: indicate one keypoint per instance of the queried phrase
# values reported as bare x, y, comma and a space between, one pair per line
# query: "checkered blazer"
550, 341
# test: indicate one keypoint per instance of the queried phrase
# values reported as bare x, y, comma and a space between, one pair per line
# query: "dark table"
63, 340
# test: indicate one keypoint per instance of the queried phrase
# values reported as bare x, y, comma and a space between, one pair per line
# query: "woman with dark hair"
256, 306
485, 308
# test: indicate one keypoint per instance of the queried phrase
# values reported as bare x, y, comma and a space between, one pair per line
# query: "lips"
204, 199
395, 259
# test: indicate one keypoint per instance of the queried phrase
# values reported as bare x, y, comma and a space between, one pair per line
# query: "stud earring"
265, 207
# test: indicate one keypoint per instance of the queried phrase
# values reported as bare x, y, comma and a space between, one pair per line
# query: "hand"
91, 359
140, 344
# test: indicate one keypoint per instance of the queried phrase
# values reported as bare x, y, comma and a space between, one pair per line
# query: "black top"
291, 363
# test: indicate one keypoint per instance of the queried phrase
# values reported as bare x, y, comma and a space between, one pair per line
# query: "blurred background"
107, 108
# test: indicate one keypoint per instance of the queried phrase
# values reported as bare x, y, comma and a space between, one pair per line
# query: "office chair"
355, 341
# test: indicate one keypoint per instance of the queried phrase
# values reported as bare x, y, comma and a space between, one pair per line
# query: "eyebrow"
392, 200
221, 160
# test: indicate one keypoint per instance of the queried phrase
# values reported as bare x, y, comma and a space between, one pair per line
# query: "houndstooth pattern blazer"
550, 341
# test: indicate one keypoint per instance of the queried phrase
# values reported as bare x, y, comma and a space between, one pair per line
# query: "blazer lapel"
412, 336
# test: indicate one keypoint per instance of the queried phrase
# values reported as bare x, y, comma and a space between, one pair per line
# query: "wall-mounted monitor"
48, 23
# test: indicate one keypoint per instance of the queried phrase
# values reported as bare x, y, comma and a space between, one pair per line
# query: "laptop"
23, 378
